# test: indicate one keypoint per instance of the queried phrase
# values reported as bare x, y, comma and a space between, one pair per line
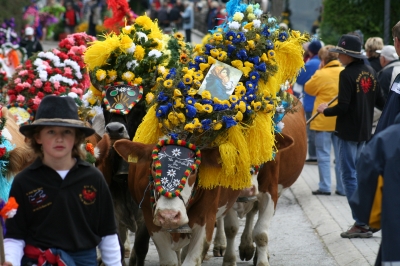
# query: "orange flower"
89, 147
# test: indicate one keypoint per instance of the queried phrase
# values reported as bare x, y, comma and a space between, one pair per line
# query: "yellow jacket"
324, 84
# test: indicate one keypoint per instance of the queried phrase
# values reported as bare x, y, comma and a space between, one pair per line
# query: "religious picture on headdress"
221, 80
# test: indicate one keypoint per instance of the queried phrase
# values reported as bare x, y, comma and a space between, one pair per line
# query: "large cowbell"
175, 161
121, 98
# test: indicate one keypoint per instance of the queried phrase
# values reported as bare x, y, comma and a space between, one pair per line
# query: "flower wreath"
157, 164
22, 112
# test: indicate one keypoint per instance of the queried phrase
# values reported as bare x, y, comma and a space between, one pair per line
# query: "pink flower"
37, 100
56, 84
67, 71
86, 81
17, 80
73, 89
20, 98
26, 85
71, 40
38, 83
45, 63
56, 51
79, 91
23, 72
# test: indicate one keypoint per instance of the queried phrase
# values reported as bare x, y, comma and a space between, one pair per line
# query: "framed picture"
221, 80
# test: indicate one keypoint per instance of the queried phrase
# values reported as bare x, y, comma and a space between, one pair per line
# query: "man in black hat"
354, 111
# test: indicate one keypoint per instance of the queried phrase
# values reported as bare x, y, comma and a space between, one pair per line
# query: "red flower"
32, 90
2, 152
40, 95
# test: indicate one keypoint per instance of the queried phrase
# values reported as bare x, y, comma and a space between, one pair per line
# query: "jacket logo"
37, 199
88, 195
366, 82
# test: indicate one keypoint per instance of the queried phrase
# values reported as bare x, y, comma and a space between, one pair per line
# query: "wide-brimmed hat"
349, 45
57, 111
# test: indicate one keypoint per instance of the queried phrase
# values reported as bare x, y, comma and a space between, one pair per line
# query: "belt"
44, 257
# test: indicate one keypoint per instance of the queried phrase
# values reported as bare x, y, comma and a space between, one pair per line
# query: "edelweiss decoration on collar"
121, 98
174, 160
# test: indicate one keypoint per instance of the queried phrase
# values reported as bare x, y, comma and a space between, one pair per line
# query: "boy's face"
57, 142
345, 59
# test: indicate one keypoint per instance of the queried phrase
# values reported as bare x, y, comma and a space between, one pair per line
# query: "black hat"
57, 111
349, 45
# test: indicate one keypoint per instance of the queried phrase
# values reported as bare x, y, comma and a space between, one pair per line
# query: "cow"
273, 179
176, 222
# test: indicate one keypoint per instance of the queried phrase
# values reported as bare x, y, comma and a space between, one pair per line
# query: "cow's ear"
211, 158
131, 151
283, 141
102, 149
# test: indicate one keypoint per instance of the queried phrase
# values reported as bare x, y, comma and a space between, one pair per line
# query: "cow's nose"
116, 131
169, 217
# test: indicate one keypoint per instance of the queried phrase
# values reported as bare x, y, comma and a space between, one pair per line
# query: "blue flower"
254, 76
255, 60
163, 110
200, 59
208, 48
230, 35
181, 85
239, 37
249, 86
220, 107
261, 67
283, 36
162, 97
229, 121
171, 74
190, 100
266, 31
206, 124
190, 111
271, 20
205, 101
285, 104
231, 49
173, 136
242, 54
193, 65
278, 117
269, 45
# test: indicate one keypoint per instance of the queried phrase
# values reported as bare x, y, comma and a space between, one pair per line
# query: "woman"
219, 84
324, 86
371, 46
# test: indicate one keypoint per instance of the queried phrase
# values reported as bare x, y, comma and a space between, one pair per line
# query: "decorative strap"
347, 51
70, 121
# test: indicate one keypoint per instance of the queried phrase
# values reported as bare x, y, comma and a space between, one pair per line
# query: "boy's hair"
326, 56
396, 30
372, 44
37, 148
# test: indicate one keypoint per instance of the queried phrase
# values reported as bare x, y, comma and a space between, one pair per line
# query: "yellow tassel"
98, 53
148, 131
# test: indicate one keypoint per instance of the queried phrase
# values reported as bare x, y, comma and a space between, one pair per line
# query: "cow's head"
169, 200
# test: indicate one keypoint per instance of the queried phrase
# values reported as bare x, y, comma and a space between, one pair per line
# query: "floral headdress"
57, 72
128, 58
242, 126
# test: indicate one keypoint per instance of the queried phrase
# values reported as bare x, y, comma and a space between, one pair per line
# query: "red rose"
32, 90
12, 98
47, 90
40, 95
61, 89
2, 152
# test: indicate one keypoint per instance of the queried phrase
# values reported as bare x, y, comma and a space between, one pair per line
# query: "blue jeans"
349, 152
323, 143
312, 154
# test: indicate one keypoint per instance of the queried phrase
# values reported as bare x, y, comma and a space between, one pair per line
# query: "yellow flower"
211, 60
296, 34
100, 74
192, 92
233, 98
112, 75
271, 54
139, 53
257, 37
241, 106
240, 90
178, 103
249, 9
206, 95
251, 17
222, 56
238, 16
177, 93
256, 105
185, 69
138, 81
264, 57
149, 97
269, 107
248, 64
173, 118
197, 123
182, 44
178, 35
204, 66
214, 52
168, 83
92, 100
145, 22
187, 79
199, 107
189, 127
198, 75
182, 117
208, 108
217, 126
217, 36
199, 49
126, 42
128, 76
184, 58
239, 116
159, 79
196, 83
248, 26
237, 63
251, 44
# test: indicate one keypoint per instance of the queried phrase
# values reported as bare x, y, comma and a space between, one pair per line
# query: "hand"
322, 107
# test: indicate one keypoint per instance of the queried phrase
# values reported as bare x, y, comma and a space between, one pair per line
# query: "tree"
13, 9
343, 16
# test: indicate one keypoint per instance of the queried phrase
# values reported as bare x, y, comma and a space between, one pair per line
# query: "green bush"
343, 16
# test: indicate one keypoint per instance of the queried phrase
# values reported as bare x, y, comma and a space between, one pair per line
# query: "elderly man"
390, 68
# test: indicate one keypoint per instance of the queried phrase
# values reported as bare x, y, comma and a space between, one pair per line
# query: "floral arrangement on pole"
58, 71
241, 124
130, 57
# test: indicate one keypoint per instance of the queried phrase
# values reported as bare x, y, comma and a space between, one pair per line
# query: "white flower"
176, 182
155, 52
11, 213
257, 12
164, 180
280, 109
256, 23
72, 95
234, 25
5, 133
132, 64
142, 35
131, 49
280, 125
176, 152
171, 172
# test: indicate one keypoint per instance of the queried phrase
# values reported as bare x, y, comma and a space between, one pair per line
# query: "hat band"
347, 51
69, 121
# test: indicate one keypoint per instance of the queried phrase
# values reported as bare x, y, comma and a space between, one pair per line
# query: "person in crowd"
188, 20
354, 111
30, 42
212, 15
310, 67
70, 18
163, 16
60, 189
175, 16
377, 199
390, 68
324, 86
392, 106
94, 15
371, 46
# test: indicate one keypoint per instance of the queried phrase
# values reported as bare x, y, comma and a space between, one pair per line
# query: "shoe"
340, 194
311, 161
373, 230
319, 192
356, 231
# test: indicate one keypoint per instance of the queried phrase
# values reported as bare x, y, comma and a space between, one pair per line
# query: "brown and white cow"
171, 213
274, 177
